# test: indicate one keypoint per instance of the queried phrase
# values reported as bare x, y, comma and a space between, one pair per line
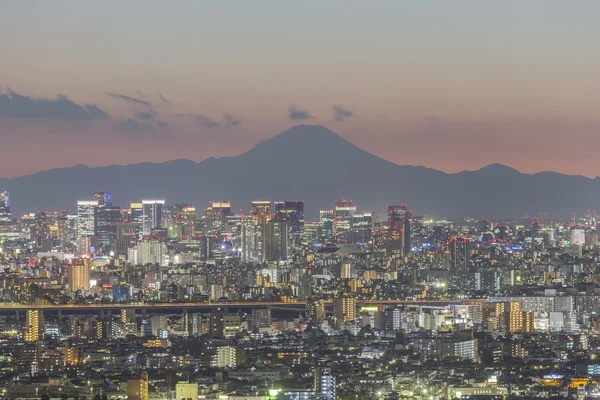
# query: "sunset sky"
451, 85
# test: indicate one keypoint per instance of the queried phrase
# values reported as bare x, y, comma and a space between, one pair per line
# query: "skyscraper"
326, 218
342, 223
294, 211
344, 309
277, 243
104, 198
362, 227
86, 213
215, 216
106, 219
136, 216
249, 244
261, 210
459, 253
399, 221
5, 214
152, 214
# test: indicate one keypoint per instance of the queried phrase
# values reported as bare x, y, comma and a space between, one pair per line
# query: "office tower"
362, 227
292, 210
104, 198
261, 210
182, 221
215, 216
34, 326
342, 223
260, 319
126, 237
326, 218
459, 253
344, 309
277, 243
5, 213
152, 215
399, 221
78, 275
136, 216
137, 389
106, 219
86, 212
186, 391
249, 239
40, 229
312, 232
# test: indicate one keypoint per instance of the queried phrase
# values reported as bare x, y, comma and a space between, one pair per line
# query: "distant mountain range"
313, 164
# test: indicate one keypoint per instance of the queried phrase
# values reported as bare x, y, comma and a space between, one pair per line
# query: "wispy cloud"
17, 106
340, 114
209, 122
131, 124
144, 116
163, 98
128, 98
297, 113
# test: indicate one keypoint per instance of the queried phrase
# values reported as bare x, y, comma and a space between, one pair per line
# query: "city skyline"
451, 88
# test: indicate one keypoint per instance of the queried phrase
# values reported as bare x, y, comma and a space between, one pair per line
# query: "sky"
451, 85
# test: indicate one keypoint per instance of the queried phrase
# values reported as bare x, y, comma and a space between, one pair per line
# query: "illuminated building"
184, 217
86, 217
5, 213
78, 275
186, 391
104, 198
342, 223
215, 215
137, 389
152, 215
226, 357
362, 227
293, 211
344, 309
136, 216
459, 254
126, 237
326, 218
249, 239
261, 210
277, 240
260, 319
34, 326
64, 232
399, 221
514, 317
315, 309
106, 219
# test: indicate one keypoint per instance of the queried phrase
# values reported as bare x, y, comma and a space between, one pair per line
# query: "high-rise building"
150, 252
292, 210
342, 223
215, 216
344, 309
104, 198
106, 219
459, 253
34, 325
126, 237
182, 220
325, 384
78, 275
86, 214
136, 216
326, 218
315, 309
261, 210
249, 239
362, 227
399, 221
64, 232
514, 317
5, 213
152, 215
277, 243
137, 389
260, 318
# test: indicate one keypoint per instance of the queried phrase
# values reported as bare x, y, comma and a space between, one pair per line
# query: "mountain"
313, 164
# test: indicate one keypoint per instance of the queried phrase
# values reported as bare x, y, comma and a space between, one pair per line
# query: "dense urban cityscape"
160, 301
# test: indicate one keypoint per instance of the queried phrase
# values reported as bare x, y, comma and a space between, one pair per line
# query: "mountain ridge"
314, 163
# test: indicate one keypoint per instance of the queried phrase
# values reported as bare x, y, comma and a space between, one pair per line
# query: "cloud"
131, 124
162, 124
163, 99
128, 98
296, 113
230, 120
17, 106
144, 116
340, 114
209, 122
